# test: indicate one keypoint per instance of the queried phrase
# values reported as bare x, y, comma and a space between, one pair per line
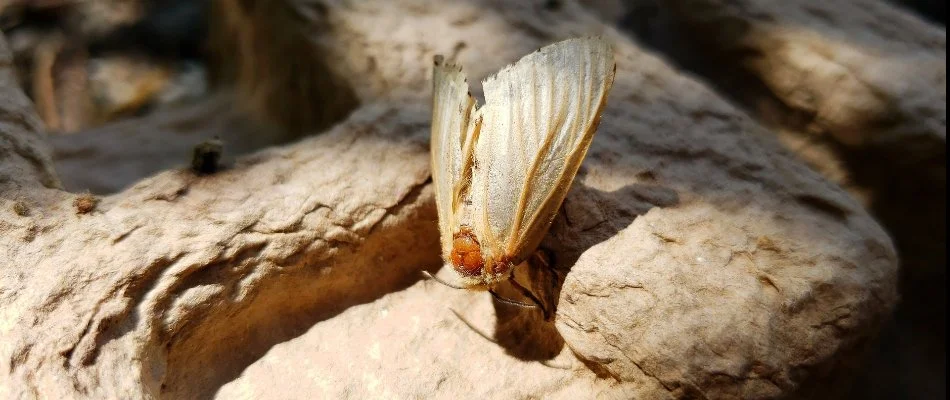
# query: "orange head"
467, 260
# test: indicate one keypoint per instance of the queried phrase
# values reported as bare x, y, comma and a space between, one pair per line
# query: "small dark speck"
553, 5
20, 208
647, 175
459, 46
665, 238
85, 203
768, 282
206, 157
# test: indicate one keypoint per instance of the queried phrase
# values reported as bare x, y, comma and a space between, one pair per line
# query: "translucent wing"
454, 131
539, 119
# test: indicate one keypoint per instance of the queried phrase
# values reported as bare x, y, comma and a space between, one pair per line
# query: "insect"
502, 170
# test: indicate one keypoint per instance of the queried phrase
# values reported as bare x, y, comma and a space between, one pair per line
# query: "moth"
502, 170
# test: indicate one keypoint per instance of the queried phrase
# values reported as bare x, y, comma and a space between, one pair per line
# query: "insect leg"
542, 263
512, 302
527, 293
546, 259
433, 277
472, 327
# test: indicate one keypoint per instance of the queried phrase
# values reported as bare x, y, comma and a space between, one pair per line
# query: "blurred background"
201, 69
87, 63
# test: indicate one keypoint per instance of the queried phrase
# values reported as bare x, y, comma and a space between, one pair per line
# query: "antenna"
444, 283
527, 293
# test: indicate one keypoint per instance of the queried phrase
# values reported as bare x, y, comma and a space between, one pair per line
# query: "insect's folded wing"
454, 129
539, 119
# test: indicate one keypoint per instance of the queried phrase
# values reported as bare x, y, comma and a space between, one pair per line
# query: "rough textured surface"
154, 287
698, 258
865, 72
410, 344
858, 90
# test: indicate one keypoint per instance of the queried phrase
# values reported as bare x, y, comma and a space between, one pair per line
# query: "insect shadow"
587, 217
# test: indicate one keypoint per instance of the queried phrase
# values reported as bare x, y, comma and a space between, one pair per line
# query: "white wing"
539, 119
453, 136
